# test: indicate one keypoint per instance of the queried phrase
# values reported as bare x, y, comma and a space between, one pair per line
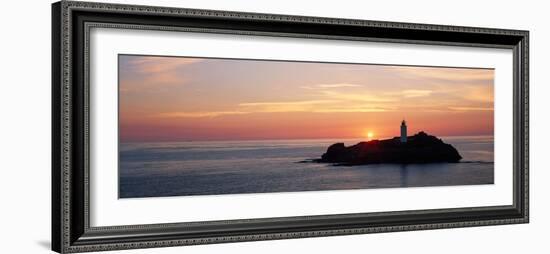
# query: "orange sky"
178, 98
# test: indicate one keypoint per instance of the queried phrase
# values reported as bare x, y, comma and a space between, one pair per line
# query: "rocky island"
419, 148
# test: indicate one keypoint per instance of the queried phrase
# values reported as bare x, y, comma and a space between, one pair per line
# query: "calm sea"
230, 167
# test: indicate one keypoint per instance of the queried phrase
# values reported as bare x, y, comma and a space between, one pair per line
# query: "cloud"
363, 97
416, 93
288, 106
415, 89
284, 103
477, 93
471, 108
327, 86
466, 98
159, 64
314, 106
198, 114
447, 74
152, 72
311, 106
354, 109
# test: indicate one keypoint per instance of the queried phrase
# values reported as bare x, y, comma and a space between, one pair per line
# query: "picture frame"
71, 228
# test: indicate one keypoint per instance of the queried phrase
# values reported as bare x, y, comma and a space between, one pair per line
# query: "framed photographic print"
181, 126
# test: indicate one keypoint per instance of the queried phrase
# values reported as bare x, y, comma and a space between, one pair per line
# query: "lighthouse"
403, 132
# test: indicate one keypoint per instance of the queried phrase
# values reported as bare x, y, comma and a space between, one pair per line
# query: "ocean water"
231, 167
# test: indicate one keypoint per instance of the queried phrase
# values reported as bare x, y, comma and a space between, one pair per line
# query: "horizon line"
281, 139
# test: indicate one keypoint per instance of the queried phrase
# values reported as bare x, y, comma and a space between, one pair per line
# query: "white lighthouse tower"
403, 132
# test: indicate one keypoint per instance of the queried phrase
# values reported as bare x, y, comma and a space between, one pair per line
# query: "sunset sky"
179, 99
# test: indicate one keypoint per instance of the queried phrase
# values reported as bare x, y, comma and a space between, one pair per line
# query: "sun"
370, 135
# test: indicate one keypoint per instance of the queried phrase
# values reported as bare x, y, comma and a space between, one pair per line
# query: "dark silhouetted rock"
420, 148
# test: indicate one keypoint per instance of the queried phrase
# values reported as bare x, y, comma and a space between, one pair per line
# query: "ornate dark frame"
71, 22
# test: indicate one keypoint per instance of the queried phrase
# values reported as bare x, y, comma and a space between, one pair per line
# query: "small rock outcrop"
420, 148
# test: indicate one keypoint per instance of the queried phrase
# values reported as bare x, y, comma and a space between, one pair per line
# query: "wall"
25, 125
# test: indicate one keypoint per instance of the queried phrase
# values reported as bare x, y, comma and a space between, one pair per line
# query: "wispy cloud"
354, 109
359, 96
441, 73
416, 93
156, 65
471, 108
327, 86
198, 114
287, 106
284, 103
477, 93
311, 106
314, 106
153, 73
